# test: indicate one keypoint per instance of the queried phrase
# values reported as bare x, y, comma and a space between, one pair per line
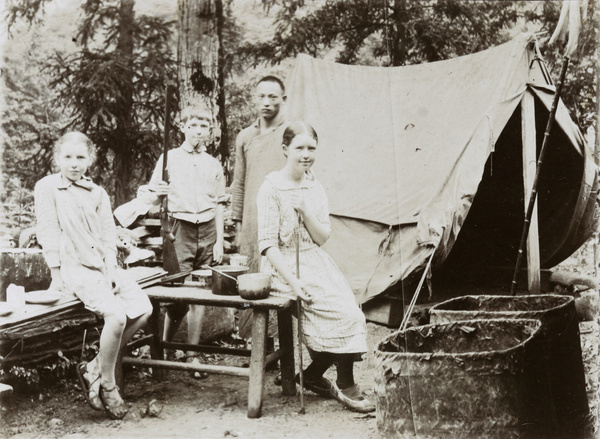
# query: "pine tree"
389, 32
113, 86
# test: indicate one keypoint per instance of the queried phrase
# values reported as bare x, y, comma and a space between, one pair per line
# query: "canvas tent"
403, 150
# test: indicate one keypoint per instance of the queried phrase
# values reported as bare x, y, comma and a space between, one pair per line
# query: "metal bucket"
470, 379
562, 355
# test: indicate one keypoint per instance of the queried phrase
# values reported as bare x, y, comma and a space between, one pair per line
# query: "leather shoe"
321, 386
353, 399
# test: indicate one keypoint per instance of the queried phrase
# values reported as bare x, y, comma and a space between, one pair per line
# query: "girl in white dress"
77, 232
334, 327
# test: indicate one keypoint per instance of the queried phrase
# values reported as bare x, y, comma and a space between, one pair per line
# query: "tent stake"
533, 196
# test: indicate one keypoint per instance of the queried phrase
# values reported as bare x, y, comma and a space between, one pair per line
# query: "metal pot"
222, 282
254, 286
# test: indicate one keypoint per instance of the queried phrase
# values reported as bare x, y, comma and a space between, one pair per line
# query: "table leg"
156, 350
260, 320
286, 344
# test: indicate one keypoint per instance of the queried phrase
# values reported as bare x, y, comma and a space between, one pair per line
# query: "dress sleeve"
322, 210
109, 230
47, 228
239, 179
268, 217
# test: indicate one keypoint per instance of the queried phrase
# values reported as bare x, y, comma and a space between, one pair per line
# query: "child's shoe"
321, 386
112, 402
90, 384
352, 398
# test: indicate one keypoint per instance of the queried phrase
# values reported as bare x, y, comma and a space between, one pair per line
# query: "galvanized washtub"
469, 379
563, 361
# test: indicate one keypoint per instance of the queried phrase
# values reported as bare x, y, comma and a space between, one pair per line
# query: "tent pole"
533, 196
597, 127
529, 151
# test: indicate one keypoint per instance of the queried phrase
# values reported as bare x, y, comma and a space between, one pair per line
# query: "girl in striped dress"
334, 327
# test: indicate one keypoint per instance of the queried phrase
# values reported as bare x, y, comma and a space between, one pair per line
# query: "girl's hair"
298, 127
75, 137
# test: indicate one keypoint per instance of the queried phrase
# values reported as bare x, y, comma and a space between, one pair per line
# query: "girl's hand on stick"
297, 201
300, 291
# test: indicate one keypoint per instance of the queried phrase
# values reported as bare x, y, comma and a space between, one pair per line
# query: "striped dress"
333, 322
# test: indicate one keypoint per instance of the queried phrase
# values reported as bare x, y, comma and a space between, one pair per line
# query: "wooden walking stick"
169, 256
299, 312
533, 196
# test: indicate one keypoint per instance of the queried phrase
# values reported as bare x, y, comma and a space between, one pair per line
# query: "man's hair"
195, 112
272, 78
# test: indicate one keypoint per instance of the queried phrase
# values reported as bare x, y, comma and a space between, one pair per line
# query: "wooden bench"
259, 357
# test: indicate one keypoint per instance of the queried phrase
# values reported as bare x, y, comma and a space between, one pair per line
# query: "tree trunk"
200, 69
399, 34
200, 74
597, 52
123, 143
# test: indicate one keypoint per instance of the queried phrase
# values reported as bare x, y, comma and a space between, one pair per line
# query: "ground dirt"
211, 408
216, 407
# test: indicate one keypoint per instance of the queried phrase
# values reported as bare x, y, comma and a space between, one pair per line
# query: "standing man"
257, 153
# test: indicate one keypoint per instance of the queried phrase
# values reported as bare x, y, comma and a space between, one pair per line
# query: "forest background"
102, 66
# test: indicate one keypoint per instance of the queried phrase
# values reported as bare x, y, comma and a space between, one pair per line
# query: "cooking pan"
251, 286
224, 279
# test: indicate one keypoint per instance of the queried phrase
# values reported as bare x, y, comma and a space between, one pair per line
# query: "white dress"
333, 322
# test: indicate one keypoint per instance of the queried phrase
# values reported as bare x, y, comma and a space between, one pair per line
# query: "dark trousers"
194, 248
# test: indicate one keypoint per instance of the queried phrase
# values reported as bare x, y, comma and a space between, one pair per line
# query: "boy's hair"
298, 127
272, 78
75, 137
195, 112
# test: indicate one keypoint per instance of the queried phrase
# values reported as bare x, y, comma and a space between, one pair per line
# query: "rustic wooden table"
259, 357
30, 315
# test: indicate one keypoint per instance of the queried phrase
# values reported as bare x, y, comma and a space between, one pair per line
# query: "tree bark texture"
200, 59
124, 140
399, 33
597, 52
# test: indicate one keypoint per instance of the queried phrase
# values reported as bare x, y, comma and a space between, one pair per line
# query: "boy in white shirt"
196, 191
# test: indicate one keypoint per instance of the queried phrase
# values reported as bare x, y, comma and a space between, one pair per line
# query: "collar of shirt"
279, 120
307, 182
65, 183
190, 149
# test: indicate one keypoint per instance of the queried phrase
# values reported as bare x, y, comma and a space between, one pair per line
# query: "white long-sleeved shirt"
75, 225
196, 181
